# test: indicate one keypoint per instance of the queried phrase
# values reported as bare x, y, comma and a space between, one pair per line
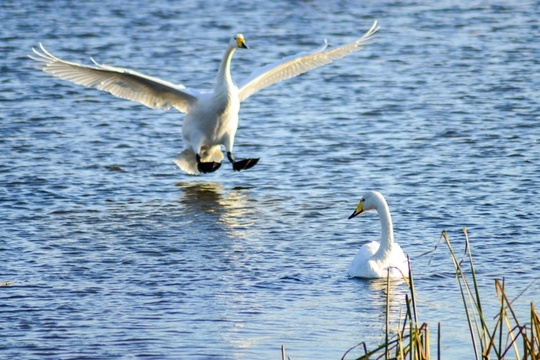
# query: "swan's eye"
362, 200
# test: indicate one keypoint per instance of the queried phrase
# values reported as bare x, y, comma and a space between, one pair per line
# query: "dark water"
113, 252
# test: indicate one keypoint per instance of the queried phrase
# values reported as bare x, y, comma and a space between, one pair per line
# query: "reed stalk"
412, 341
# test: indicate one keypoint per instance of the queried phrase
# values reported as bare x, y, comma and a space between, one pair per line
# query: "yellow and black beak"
358, 211
241, 43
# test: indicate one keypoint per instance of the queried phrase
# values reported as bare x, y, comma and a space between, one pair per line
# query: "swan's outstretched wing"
300, 63
124, 83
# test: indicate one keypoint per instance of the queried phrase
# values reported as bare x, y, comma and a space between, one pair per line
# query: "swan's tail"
187, 161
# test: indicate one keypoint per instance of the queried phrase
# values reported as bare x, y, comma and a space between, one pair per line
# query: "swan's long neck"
224, 79
387, 229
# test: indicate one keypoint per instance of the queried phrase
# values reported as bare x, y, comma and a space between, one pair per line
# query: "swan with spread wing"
211, 116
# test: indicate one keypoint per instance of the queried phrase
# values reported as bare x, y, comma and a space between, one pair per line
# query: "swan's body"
374, 259
212, 116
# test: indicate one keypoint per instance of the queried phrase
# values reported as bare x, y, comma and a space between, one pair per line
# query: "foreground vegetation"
508, 338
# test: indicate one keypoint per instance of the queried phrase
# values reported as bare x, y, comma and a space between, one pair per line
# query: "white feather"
378, 260
212, 116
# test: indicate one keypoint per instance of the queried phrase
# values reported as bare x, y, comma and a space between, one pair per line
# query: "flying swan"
374, 260
212, 116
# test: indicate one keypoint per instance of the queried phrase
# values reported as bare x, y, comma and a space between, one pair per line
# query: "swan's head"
370, 201
238, 42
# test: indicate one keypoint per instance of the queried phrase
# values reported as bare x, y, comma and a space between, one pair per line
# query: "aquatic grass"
412, 341
508, 336
501, 340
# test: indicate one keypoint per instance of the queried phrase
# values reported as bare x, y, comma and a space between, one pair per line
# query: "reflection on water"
389, 293
376, 300
394, 292
215, 270
230, 208
201, 197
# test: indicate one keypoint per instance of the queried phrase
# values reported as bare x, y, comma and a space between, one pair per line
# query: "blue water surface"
112, 252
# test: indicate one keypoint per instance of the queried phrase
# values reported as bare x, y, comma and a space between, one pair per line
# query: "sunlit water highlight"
113, 252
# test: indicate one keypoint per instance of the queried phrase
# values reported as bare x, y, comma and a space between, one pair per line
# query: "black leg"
242, 164
206, 167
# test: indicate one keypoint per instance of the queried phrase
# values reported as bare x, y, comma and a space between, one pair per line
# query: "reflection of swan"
229, 208
201, 198
373, 260
212, 116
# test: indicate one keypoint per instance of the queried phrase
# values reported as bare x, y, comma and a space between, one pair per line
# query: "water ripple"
111, 250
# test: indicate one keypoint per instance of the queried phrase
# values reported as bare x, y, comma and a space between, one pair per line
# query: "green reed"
412, 340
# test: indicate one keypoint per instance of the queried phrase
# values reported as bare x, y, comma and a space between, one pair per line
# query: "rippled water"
114, 252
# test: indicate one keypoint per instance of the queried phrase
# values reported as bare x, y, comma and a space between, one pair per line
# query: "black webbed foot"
243, 164
207, 167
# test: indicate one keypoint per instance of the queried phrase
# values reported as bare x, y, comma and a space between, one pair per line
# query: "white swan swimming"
373, 260
212, 116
